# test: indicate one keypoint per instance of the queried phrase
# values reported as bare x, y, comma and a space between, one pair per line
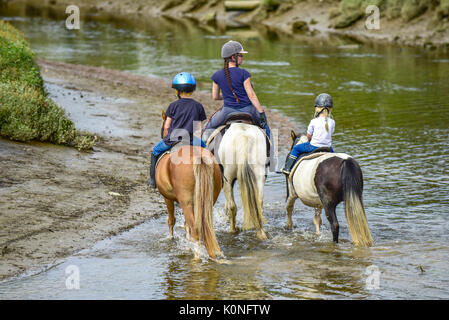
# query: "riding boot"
291, 160
152, 181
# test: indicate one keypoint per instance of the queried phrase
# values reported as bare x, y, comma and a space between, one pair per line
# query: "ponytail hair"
228, 77
319, 110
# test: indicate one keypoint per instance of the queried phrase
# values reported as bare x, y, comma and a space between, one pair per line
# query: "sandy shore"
54, 200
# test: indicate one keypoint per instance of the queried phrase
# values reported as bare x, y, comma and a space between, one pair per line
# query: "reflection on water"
392, 114
292, 264
134, 265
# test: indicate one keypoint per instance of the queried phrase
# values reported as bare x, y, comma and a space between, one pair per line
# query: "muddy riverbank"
422, 24
56, 200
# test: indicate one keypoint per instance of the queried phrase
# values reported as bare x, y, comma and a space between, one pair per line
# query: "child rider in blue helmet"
182, 114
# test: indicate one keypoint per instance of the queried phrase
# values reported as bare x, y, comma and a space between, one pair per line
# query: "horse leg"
291, 198
290, 204
230, 206
317, 220
261, 234
171, 215
189, 226
260, 187
329, 209
189, 218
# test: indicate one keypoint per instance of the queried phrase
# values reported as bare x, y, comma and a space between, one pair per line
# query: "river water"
392, 115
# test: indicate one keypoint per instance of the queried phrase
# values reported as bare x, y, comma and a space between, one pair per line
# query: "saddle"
214, 139
307, 156
239, 117
175, 146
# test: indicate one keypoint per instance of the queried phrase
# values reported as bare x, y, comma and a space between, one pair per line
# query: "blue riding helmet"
184, 82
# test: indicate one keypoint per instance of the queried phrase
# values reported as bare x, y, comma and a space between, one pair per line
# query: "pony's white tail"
252, 212
203, 202
354, 209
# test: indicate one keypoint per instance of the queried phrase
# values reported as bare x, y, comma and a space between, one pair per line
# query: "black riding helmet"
324, 100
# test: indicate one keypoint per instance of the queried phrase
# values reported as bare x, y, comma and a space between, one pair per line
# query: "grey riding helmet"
231, 48
324, 100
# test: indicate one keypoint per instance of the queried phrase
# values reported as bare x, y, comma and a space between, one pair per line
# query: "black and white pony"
322, 181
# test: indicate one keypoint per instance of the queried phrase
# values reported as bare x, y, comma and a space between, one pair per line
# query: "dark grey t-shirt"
183, 113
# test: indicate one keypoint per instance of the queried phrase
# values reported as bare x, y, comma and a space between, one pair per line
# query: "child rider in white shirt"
319, 131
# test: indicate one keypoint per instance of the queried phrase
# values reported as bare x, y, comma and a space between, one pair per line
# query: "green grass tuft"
26, 112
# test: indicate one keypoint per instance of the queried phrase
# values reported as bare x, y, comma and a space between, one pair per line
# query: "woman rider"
236, 90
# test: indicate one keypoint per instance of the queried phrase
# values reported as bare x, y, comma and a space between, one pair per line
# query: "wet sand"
55, 200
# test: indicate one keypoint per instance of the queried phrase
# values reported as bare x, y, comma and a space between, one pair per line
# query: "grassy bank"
26, 113
349, 11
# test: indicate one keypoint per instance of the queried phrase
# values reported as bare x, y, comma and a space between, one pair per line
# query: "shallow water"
391, 113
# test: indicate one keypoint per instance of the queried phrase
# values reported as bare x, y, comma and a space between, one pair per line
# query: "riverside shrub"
26, 112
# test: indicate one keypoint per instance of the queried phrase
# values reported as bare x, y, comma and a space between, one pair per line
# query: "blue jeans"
220, 116
161, 146
304, 148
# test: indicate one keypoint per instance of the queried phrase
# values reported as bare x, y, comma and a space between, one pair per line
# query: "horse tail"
203, 202
354, 209
248, 189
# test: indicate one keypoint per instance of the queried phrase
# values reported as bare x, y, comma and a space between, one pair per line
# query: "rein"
210, 118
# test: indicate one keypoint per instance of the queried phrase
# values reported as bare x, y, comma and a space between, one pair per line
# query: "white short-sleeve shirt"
320, 137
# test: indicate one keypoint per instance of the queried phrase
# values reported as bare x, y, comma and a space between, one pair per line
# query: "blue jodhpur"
161, 146
304, 148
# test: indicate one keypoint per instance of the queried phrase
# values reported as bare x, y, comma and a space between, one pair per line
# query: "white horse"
323, 180
243, 155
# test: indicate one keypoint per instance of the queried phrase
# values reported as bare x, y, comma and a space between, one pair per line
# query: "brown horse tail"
355, 212
203, 202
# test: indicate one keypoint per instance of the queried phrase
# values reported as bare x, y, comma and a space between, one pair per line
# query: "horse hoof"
261, 235
234, 230
222, 261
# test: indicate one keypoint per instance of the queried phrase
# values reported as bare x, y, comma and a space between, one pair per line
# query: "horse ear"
293, 135
164, 116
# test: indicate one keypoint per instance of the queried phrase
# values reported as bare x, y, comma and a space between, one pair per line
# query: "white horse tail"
354, 209
248, 188
203, 202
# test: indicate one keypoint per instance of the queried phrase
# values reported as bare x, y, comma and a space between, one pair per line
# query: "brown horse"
190, 175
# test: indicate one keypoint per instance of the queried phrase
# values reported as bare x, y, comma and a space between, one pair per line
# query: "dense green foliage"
26, 113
